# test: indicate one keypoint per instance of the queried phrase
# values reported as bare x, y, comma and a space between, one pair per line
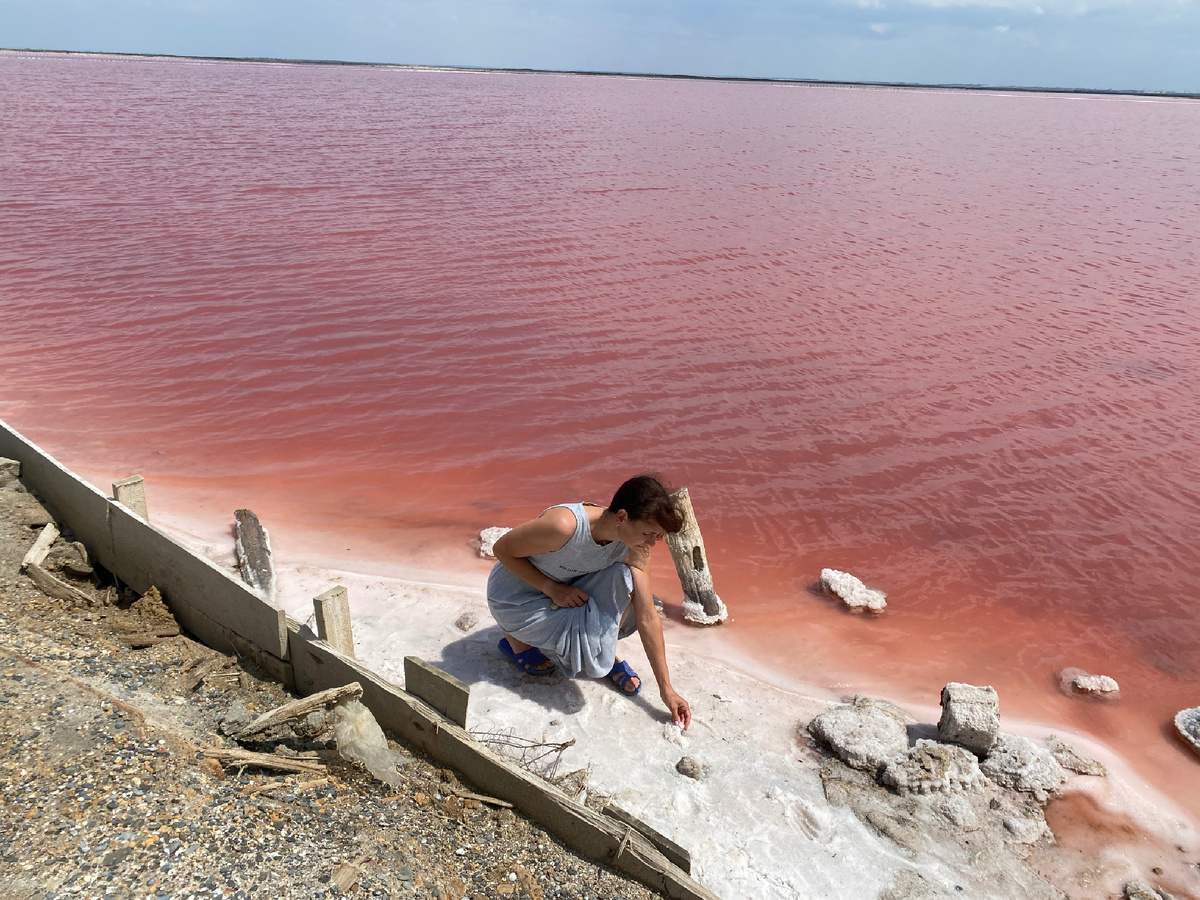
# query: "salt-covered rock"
930, 767
1024, 830
1095, 684
1018, 763
970, 716
466, 621
865, 734
1187, 723
488, 538
1071, 759
1143, 890
689, 767
853, 592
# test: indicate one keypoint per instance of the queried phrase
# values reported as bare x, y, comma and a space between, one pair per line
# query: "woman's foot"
527, 657
625, 678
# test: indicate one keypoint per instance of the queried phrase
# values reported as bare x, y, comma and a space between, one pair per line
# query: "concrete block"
333, 619
131, 493
439, 689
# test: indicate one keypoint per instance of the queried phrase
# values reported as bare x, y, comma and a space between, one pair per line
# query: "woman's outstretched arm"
650, 631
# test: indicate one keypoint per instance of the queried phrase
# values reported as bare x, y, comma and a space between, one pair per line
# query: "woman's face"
640, 533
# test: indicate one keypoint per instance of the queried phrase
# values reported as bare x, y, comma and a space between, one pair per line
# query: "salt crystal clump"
930, 767
360, 739
488, 538
1095, 684
1187, 723
853, 592
1018, 763
865, 735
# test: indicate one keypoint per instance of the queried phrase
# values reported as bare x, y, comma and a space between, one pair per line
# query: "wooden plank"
37, 553
253, 547
317, 666
439, 689
332, 609
671, 850
298, 709
131, 493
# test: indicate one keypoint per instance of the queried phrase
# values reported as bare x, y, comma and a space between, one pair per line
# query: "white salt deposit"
488, 538
853, 592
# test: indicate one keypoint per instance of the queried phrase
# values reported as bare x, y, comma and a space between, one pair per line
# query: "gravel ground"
105, 790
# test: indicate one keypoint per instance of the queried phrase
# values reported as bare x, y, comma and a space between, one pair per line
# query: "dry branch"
268, 761
298, 709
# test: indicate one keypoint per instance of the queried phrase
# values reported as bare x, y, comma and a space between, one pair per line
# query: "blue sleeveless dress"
583, 639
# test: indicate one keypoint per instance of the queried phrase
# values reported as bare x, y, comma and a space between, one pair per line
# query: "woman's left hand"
681, 713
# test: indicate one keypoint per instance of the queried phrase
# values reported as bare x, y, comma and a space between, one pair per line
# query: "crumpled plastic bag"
361, 740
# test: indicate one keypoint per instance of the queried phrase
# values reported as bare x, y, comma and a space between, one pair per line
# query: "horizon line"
520, 70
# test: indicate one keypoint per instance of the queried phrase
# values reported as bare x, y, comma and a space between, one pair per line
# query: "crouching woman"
568, 584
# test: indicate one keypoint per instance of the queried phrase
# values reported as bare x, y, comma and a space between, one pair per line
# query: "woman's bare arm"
650, 631
549, 531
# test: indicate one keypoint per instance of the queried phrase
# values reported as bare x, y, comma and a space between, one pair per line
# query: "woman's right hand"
566, 596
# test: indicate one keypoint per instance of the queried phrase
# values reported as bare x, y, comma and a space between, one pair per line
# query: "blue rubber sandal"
622, 674
527, 660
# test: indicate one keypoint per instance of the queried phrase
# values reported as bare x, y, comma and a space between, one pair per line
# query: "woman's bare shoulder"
558, 518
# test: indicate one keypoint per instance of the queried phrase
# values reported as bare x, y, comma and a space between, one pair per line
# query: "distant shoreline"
906, 85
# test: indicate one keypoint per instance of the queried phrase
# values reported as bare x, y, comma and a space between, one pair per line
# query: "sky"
1149, 45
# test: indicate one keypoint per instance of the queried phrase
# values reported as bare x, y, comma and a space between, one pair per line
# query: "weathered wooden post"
701, 604
253, 546
333, 619
131, 493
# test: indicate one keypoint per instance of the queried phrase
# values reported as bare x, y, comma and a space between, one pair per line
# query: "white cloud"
880, 27
1000, 28
1038, 7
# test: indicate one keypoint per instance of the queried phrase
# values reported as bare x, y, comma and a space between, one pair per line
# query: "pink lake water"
948, 341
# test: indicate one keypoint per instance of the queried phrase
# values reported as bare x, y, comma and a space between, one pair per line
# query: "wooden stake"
333, 620
37, 553
131, 493
701, 604
254, 553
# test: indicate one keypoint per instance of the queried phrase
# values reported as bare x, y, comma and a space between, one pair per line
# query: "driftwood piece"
482, 798
253, 546
298, 709
37, 553
59, 590
268, 761
278, 785
345, 875
701, 604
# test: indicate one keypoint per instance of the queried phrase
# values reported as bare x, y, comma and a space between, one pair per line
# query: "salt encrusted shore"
765, 811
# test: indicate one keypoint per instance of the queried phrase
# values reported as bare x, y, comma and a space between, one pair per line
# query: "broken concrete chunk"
864, 735
1070, 758
9, 468
931, 767
24, 510
1018, 763
852, 592
970, 716
488, 538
